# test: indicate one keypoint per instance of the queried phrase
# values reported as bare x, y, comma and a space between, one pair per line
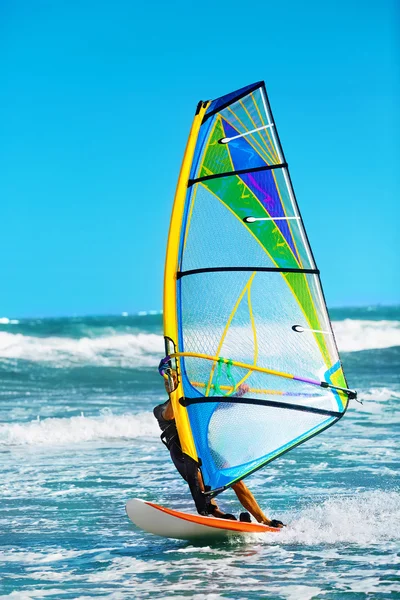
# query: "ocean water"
77, 440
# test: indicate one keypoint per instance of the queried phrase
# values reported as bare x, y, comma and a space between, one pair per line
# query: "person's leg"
178, 460
189, 471
248, 501
214, 509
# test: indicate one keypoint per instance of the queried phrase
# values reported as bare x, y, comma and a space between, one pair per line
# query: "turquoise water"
77, 440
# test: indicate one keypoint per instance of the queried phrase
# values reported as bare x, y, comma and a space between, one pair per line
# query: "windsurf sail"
245, 320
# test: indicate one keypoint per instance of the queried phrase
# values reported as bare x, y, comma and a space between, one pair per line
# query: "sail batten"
243, 268
238, 172
241, 283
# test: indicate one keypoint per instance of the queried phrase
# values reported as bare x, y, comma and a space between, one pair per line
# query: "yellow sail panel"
171, 268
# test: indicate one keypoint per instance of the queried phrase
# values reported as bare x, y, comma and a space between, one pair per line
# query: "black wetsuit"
186, 466
170, 438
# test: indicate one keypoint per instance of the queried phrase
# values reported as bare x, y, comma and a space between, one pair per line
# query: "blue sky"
97, 100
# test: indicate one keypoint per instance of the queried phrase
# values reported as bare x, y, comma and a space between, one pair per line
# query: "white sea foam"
78, 429
353, 335
344, 545
378, 395
128, 350
364, 518
145, 349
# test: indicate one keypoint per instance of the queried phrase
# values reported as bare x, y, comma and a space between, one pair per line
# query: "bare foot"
218, 513
222, 515
274, 523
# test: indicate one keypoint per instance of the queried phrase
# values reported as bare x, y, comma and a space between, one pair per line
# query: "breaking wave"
144, 349
354, 335
56, 431
141, 350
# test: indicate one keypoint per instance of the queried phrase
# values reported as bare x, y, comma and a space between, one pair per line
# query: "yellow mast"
171, 268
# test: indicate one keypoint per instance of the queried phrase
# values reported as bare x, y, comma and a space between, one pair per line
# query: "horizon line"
145, 313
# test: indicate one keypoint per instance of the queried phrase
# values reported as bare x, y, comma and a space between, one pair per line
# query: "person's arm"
170, 384
168, 412
248, 501
242, 390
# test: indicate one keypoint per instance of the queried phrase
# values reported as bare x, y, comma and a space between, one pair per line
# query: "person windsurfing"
164, 413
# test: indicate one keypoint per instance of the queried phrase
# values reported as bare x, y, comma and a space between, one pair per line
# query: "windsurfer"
164, 414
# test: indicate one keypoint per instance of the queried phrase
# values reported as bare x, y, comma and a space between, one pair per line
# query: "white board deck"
186, 526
